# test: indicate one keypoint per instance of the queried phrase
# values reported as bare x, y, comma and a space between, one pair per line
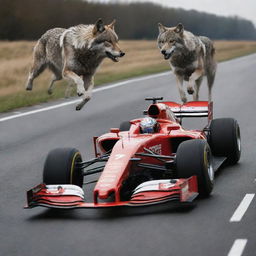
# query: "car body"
139, 169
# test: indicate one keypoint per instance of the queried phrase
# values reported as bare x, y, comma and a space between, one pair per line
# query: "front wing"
148, 193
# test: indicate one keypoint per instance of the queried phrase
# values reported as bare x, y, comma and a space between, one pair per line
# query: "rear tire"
194, 158
60, 167
125, 126
224, 139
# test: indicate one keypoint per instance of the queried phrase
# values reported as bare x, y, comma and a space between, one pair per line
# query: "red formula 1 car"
146, 161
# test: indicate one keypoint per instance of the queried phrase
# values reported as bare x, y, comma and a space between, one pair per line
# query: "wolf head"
170, 39
105, 41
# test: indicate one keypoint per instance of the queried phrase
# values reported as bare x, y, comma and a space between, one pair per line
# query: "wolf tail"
62, 38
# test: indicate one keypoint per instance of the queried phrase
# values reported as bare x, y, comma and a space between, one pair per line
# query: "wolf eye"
172, 41
107, 43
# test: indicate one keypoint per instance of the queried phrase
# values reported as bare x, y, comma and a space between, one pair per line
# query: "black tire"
60, 167
193, 157
224, 139
125, 126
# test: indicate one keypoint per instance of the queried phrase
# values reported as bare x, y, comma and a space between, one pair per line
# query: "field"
142, 57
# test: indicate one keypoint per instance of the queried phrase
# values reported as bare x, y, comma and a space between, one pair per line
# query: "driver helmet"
148, 125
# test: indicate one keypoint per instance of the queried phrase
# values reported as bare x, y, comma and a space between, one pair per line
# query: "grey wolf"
75, 54
191, 57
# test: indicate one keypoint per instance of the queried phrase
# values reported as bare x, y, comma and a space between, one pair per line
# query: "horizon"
227, 8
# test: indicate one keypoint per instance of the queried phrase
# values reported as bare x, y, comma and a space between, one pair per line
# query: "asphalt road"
205, 229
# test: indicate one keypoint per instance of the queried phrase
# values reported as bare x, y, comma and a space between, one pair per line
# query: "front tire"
194, 158
224, 139
60, 167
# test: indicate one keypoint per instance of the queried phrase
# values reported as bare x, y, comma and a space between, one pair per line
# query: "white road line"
238, 247
38, 110
242, 208
103, 88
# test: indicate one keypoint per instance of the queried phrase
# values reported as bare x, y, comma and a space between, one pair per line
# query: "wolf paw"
190, 90
78, 107
81, 104
49, 92
29, 87
184, 99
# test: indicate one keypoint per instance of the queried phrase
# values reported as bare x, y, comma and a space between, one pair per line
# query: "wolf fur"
75, 54
191, 57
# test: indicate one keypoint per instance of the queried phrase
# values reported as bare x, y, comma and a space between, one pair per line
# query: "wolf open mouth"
112, 57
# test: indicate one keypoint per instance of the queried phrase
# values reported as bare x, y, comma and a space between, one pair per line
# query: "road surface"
223, 224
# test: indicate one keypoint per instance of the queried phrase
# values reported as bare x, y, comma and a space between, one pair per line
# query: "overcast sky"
243, 8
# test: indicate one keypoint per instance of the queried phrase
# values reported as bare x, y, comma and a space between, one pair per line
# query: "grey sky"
243, 8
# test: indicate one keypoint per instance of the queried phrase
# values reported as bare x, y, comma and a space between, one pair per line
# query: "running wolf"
191, 57
75, 54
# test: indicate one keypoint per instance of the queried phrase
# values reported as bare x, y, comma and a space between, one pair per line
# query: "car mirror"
115, 130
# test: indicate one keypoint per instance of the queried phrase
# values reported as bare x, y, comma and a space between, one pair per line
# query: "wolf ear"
112, 24
162, 28
179, 29
98, 27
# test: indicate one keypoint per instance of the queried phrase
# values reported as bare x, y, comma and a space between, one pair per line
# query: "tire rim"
210, 172
209, 165
238, 140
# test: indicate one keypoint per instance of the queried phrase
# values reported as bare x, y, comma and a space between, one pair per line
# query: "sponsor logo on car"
157, 149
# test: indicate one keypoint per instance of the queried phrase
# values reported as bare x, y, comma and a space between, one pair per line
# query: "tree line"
29, 19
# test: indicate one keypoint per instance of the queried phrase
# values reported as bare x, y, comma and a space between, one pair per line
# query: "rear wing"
192, 109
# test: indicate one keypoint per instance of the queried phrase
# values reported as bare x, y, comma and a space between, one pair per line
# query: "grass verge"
142, 58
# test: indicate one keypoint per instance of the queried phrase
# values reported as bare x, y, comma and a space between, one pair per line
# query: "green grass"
25, 99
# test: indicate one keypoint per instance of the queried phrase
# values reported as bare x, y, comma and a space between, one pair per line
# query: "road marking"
242, 208
103, 88
237, 247
38, 110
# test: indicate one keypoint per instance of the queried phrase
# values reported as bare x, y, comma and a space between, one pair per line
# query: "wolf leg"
38, 65
69, 89
192, 81
198, 83
210, 93
179, 81
73, 77
51, 85
210, 80
210, 71
56, 77
35, 71
68, 55
88, 85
